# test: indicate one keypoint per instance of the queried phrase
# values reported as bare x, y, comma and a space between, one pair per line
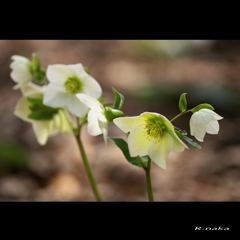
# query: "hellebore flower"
97, 121
43, 128
65, 81
150, 134
204, 121
21, 71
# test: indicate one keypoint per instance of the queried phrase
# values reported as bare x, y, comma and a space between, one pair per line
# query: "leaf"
137, 161
118, 99
111, 113
183, 136
182, 102
39, 111
201, 106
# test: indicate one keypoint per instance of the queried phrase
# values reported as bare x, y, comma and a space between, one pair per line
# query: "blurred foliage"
167, 49
219, 96
12, 157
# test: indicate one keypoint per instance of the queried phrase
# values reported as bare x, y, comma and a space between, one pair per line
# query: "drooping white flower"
204, 121
21, 71
43, 129
97, 121
150, 134
65, 81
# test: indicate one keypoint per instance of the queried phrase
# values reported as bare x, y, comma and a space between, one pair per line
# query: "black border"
121, 219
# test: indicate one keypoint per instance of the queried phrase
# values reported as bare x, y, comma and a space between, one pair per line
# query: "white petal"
90, 102
127, 124
59, 73
158, 152
93, 124
199, 132
31, 90
54, 96
138, 142
213, 127
20, 69
22, 110
75, 106
214, 115
41, 131
201, 117
20, 59
178, 144
91, 86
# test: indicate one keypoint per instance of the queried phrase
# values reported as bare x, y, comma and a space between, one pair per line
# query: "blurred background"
151, 74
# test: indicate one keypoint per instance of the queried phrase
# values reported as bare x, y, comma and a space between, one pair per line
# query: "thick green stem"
149, 182
87, 167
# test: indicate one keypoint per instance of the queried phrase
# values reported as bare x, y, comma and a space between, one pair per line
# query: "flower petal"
20, 69
90, 102
59, 73
127, 124
213, 127
158, 152
75, 106
22, 110
213, 114
54, 96
93, 124
138, 143
41, 131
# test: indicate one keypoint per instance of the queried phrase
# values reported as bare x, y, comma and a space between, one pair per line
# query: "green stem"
87, 167
149, 182
179, 115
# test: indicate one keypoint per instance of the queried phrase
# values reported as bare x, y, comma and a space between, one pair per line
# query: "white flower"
65, 82
151, 134
43, 128
21, 70
97, 121
204, 121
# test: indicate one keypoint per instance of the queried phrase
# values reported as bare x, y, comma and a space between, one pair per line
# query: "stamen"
73, 85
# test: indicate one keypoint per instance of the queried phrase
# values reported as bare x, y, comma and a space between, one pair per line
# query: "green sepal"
201, 106
111, 113
136, 161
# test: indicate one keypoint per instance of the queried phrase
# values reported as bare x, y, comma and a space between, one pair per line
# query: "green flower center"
73, 85
155, 127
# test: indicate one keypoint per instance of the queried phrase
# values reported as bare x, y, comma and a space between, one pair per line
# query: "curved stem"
179, 115
149, 182
87, 167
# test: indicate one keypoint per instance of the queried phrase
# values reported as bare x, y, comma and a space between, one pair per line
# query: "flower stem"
149, 182
179, 115
87, 167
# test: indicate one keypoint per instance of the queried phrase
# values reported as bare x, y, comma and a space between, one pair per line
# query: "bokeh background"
151, 74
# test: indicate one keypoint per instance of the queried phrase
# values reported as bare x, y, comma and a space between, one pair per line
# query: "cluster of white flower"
51, 100
70, 91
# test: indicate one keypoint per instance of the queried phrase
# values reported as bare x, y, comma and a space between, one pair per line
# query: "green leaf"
182, 134
118, 99
136, 161
39, 111
182, 102
201, 106
39, 73
111, 113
